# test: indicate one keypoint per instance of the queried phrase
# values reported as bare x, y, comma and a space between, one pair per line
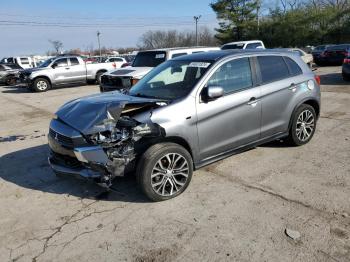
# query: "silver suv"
186, 113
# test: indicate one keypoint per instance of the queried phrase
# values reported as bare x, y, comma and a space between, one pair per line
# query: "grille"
116, 82
64, 140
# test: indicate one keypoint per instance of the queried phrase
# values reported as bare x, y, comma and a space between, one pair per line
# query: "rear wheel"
98, 77
303, 125
41, 85
164, 171
346, 77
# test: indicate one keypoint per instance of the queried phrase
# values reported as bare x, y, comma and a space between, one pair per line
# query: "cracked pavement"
236, 209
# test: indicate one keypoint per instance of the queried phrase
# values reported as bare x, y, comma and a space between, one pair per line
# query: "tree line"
291, 23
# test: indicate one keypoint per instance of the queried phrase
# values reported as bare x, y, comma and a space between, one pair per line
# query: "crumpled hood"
87, 114
137, 72
34, 69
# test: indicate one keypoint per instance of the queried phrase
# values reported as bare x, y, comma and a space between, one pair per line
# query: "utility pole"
196, 18
99, 43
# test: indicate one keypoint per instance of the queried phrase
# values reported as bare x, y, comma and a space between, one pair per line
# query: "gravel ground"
234, 210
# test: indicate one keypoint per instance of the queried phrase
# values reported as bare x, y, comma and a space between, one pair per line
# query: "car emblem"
56, 137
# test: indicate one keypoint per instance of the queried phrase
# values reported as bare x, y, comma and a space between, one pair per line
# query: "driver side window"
61, 62
233, 76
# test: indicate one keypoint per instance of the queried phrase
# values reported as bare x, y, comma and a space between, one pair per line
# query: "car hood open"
88, 114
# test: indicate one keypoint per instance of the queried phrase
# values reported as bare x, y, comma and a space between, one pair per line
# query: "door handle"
253, 101
293, 87
67, 68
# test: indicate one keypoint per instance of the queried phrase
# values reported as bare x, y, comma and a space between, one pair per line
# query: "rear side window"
177, 55
74, 61
253, 45
272, 68
149, 59
24, 60
294, 69
233, 76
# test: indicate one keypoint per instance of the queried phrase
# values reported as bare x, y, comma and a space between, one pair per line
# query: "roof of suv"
217, 55
178, 48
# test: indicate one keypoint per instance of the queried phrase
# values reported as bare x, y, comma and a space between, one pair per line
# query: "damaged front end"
100, 141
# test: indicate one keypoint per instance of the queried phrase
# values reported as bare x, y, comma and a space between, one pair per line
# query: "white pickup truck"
64, 70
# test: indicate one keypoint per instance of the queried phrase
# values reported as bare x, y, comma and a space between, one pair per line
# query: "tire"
167, 182
346, 77
303, 125
98, 77
41, 85
10, 80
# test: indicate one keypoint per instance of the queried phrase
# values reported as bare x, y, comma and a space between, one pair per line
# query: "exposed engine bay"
111, 133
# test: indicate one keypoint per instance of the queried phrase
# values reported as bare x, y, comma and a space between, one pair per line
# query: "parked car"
307, 58
9, 73
334, 55
63, 70
252, 44
144, 61
114, 59
317, 51
23, 62
346, 69
186, 113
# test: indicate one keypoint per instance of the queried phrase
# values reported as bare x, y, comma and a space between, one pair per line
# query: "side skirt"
238, 150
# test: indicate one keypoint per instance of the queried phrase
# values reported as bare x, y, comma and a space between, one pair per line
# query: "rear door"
77, 71
278, 89
234, 119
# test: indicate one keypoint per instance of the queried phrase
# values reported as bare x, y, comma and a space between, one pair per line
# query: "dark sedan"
316, 53
335, 55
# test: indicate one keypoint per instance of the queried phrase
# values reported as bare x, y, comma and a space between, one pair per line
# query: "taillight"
346, 61
125, 64
318, 80
134, 81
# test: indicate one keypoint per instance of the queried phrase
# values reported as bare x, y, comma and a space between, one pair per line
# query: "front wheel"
41, 85
164, 171
303, 125
10, 80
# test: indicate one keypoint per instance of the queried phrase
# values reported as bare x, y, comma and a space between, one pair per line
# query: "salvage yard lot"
234, 210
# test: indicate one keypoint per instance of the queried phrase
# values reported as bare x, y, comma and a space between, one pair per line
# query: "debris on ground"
293, 234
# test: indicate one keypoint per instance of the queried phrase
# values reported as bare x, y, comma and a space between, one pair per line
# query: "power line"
87, 25
102, 18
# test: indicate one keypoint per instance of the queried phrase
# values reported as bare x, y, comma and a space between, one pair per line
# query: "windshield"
47, 62
172, 80
233, 46
149, 59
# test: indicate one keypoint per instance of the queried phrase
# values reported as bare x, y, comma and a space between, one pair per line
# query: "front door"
232, 120
61, 71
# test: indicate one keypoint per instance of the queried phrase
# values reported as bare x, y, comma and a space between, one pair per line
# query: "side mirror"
54, 65
212, 93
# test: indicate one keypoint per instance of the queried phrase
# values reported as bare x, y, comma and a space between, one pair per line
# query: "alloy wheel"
169, 174
305, 125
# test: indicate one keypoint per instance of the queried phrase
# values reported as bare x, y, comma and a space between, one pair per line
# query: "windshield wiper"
145, 96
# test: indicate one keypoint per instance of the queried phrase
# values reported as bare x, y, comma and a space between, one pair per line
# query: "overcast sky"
26, 26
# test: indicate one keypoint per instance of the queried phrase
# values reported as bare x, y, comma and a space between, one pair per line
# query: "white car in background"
252, 44
307, 58
24, 62
144, 62
117, 60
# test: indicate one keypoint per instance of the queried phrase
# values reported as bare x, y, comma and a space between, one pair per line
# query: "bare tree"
57, 45
173, 38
